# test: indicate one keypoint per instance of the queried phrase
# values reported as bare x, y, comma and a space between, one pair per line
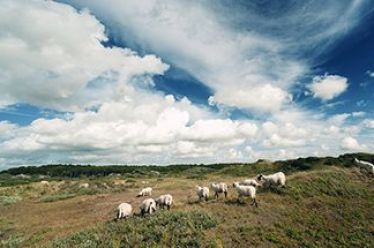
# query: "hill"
328, 202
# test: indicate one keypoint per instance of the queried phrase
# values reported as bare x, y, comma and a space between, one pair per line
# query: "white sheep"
44, 183
164, 200
145, 192
202, 192
246, 190
84, 185
219, 188
148, 206
250, 182
366, 165
124, 210
276, 179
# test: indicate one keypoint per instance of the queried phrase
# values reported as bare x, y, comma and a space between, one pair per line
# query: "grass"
9, 200
57, 197
323, 206
165, 229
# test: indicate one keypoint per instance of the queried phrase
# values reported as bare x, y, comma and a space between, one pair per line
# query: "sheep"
366, 165
246, 190
84, 185
202, 192
164, 200
250, 182
145, 192
219, 188
44, 183
124, 210
276, 179
148, 206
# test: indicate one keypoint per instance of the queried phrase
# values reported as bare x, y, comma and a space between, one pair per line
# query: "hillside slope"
323, 206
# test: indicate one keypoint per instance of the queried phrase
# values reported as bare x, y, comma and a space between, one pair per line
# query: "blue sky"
184, 81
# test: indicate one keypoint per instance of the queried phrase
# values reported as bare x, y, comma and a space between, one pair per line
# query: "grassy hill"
328, 202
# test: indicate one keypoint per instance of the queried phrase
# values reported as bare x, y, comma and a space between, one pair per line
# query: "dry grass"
319, 208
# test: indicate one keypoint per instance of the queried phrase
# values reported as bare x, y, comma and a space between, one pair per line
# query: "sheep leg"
254, 203
168, 207
216, 195
142, 212
206, 198
225, 194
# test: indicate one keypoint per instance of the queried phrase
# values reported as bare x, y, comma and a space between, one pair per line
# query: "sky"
179, 81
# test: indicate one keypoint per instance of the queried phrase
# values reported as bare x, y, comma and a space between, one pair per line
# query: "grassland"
325, 204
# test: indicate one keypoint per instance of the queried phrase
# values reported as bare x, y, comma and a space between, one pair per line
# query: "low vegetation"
327, 202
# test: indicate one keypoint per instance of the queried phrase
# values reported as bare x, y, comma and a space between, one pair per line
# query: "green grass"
163, 229
57, 197
13, 241
323, 205
9, 200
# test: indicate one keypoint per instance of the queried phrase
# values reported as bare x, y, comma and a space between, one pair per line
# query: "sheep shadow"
275, 190
235, 202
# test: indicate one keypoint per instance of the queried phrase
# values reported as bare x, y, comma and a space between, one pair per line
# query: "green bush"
13, 241
165, 229
9, 200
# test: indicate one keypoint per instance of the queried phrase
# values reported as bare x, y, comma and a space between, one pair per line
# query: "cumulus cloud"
328, 87
370, 73
245, 59
369, 123
86, 134
53, 56
56, 51
351, 144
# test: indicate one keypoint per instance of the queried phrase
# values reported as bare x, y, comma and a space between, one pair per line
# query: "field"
326, 203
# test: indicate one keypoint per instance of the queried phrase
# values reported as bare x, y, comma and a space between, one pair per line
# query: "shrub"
165, 228
9, 200
57, 197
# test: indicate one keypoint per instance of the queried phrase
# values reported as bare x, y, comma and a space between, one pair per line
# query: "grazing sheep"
145, 192
276, 179
148, 206
202, 192
84, 185
164, 200
219, 188
250, 182
366, 165
44, 183
124, 210
246, 190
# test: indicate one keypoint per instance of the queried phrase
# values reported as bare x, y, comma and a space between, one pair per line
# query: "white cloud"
50, 53
369, 123
266, 97
370, 73
52, 56
351, 144
328, 87
242, 55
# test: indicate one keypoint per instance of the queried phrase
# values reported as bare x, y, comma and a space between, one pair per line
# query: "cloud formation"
54, 56
328, 87
56, 51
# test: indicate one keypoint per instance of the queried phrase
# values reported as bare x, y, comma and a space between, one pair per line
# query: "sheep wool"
366, 165
202, 192
148, 206
164, 201
219, 188
276, 179
124, 210
245, 191
145, 192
